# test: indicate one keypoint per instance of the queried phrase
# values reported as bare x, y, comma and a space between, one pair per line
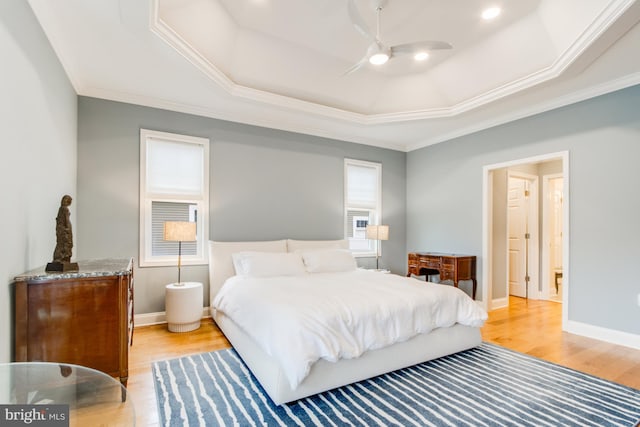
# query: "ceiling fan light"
491, 13
421, 56
379, 58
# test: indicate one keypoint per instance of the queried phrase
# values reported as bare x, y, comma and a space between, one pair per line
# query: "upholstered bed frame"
324, 375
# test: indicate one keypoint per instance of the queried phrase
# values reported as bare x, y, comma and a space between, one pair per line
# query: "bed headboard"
221, 262
310, 245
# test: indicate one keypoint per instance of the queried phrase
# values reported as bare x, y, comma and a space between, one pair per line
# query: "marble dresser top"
87, 268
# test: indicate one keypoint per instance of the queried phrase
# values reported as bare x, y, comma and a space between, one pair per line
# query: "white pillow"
329, 261
268, 264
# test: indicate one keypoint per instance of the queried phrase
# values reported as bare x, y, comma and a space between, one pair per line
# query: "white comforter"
300, 319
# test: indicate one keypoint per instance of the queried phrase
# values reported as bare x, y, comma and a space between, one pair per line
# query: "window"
362, 204
174, 186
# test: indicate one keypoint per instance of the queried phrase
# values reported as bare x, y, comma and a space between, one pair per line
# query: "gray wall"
294, 182
264, 184
602, 136
38, 162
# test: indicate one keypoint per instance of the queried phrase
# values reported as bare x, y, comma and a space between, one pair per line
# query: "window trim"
375, 250
146, 258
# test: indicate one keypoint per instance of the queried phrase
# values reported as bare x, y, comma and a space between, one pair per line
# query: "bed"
281, 374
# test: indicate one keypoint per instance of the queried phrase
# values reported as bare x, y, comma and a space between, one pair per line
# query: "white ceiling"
281, 63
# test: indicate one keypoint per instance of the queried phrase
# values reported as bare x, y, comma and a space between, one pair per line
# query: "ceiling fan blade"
427, 45
357, 21
357, 65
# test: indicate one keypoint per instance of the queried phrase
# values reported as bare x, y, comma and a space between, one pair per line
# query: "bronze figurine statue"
64, 240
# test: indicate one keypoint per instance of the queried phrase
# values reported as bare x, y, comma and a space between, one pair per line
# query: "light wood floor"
532, 327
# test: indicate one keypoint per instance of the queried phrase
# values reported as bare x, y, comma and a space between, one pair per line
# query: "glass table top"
90, 397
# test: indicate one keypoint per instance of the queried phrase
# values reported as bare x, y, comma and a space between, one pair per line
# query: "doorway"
517, 216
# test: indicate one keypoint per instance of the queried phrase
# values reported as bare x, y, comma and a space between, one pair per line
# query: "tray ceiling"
281, 63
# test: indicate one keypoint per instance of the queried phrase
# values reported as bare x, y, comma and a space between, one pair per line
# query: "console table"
83, 317
449, 266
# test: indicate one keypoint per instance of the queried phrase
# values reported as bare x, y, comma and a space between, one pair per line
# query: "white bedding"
300, 319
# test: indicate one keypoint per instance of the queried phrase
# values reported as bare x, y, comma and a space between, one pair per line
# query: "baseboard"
147, 319
499, 303
603, 334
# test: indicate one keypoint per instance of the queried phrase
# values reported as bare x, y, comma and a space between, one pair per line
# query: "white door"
517, 220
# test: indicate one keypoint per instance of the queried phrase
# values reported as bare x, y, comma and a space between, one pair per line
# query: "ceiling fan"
378, 53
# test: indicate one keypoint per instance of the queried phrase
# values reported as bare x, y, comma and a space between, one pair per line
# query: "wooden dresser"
449, 266
84, 317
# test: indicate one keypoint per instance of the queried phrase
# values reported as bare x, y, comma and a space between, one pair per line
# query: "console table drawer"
448, 262
413, 262
448, 267
433, 263
447, 271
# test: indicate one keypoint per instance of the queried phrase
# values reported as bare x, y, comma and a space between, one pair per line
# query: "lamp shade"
179, 231
378, 232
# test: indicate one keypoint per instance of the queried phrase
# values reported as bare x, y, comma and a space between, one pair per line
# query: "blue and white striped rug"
486, 386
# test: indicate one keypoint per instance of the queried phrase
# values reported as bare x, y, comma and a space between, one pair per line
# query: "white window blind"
174, 177
362, 187
363, 194
174, 167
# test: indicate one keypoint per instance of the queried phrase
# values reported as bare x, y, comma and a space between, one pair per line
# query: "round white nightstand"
183, 303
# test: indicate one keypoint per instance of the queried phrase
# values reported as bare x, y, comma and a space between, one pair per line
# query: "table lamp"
377, 232
179, 231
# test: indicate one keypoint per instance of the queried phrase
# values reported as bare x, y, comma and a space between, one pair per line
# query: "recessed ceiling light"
421, 56
491, 13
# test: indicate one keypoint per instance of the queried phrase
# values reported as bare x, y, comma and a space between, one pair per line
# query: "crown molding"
291, 125
300, 126
541, 107
190, 53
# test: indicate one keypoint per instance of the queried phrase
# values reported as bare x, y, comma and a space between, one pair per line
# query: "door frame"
533, 216
487, 228
546, 240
